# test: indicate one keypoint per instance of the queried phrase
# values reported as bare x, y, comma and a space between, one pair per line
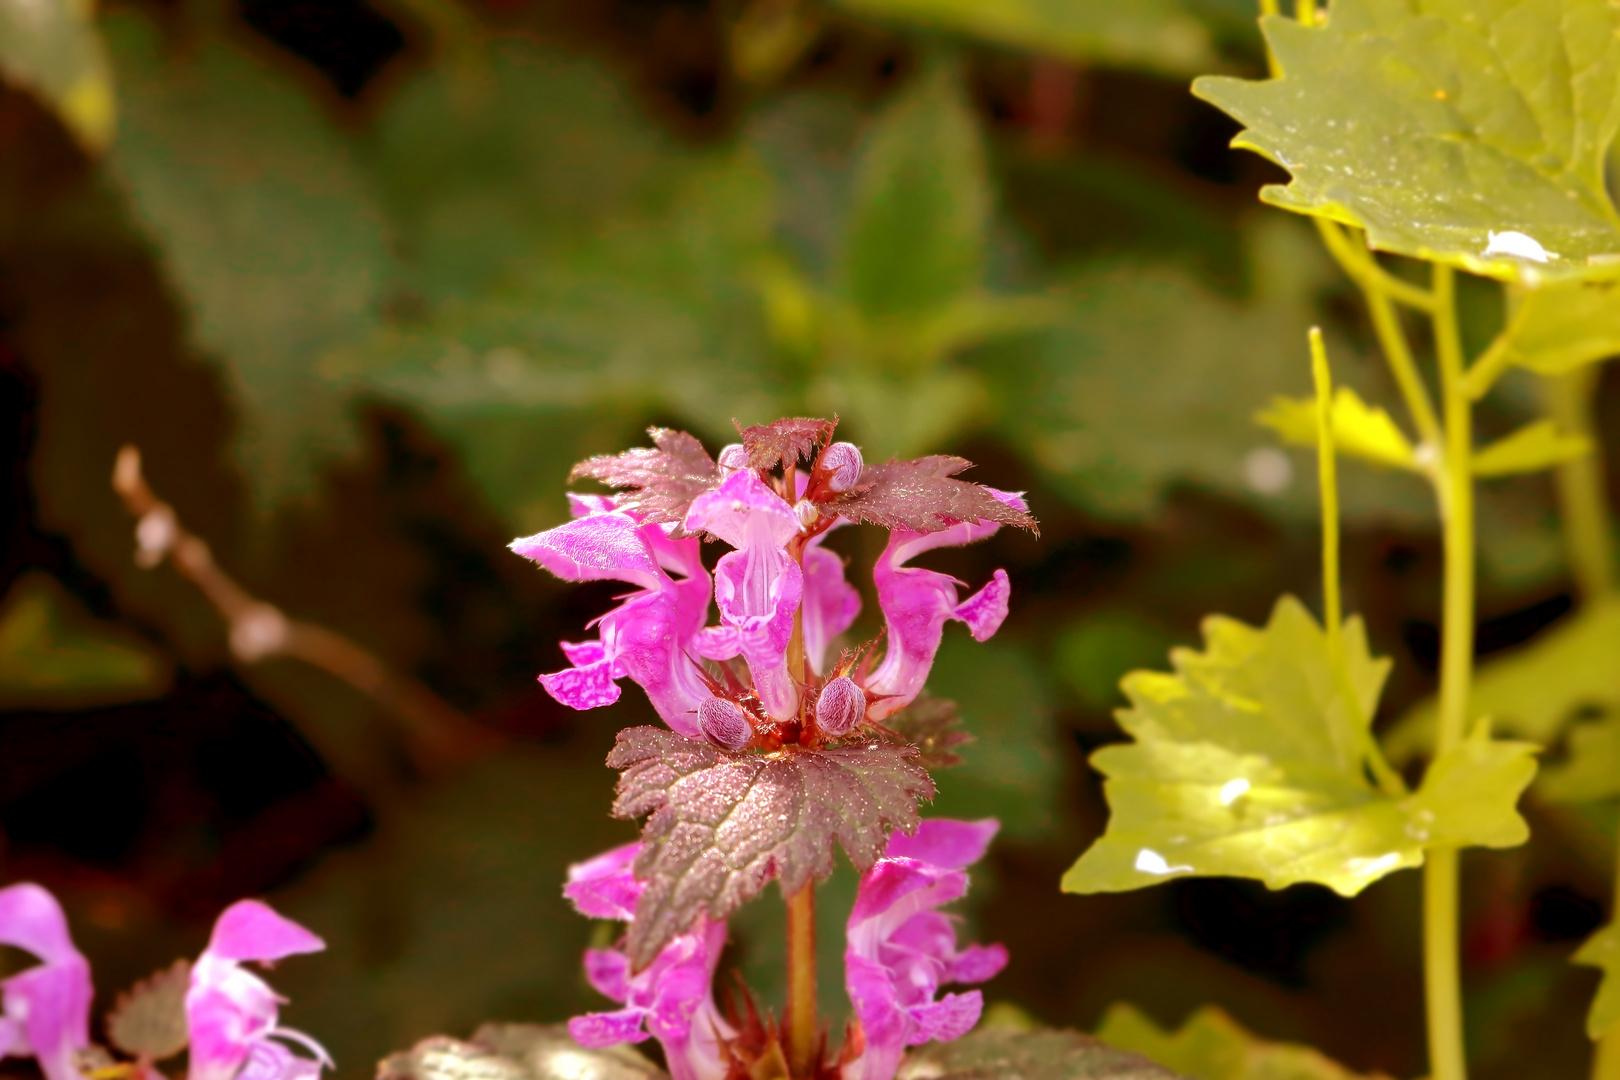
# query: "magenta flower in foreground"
901, 950
46, 1012
916, 604
648, 637
672, 999
231, 1013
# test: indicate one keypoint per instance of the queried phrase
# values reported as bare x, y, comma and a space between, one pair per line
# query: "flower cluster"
230, 1013
759, 685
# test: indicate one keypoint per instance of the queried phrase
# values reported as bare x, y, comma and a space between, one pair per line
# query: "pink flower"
916, 604
830, 603
650, 635
231, 1013
758, 586
672, 999
46, 1012
901, 950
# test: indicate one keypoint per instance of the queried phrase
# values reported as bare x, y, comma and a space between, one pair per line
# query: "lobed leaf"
920, 495
1602, 950
1212, 1046
1532, 448
1589, 769
933, 726
1249, 762
992, 1053
662, 481
1562, 327
722, 825
1359, 430
148, 1020
1470, 132
785, 442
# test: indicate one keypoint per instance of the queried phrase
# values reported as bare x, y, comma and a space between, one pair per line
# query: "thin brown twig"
437, 735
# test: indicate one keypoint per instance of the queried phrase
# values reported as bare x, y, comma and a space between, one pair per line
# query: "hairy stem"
801, 1004
1456, 490
1588, 536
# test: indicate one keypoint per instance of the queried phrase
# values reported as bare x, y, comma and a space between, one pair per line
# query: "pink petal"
831, 604
945, 842
951, 1017
31, 919
585, 505
608, 972
986, 609
250, 930
978, 963
595, 1031
594, 548
717, 643
583, 653
52, 1002
743, 511
585, 687
888, 892
605, 887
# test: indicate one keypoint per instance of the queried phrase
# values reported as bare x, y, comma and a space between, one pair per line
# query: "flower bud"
807, 512
840, 707
731, 458
843, 461
725, 724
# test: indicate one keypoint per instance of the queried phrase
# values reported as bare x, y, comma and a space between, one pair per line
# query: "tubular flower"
231, 1013
671, 1000
901, 950
46, 1012
649, 636
916, 604
830, 603
758, 586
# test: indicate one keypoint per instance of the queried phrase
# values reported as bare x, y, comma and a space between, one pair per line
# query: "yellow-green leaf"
1589, 769
1359, 430
1532, 691
53, 48
1532, 448
1159, 35
1472, 132
1212, 1046
1246, 762
1563, 326
53, 654
1602, 950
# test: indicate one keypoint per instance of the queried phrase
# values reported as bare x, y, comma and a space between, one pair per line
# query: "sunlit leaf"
265, 224
1534, 447
54, 655
53, 48
1602, 950
1210, 1045
515, 1052
1563, 326
1470, 132
1158, 35
1359, 429
1246, 762
1532, 691
1042, 1054
149, 1019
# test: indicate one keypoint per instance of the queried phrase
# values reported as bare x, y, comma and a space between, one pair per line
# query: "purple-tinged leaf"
722, 825
785, 442
921, 496
149, 1019
663, 480
931, 724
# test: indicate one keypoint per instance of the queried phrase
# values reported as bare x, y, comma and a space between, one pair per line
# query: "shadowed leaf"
1602, 950
662, 482
1246, 762
1532, 448
921, 496
933, 726
1212, 1046
149, 1019
722, 825
1000, 1054
1473, 133
784, 442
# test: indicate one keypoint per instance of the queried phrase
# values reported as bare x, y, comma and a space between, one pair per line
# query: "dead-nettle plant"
776, 749
1471, 136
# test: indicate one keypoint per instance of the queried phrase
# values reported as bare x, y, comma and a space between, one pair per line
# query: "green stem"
1582, 499
1456, 489
801, 1004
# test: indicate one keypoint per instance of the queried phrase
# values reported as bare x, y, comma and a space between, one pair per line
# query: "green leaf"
1247, 763
53, 48
1534, 447
1156, 35
1462, 131
1602, 950
1562, 327
149, 1019
1359, 429
53, 654
1589, 770
266, 225
916, 236
1532, 691
1210, 1045
1042, 1054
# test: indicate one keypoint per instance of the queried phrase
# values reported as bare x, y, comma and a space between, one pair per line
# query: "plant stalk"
1442, 980
1582, 501
801, 1004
